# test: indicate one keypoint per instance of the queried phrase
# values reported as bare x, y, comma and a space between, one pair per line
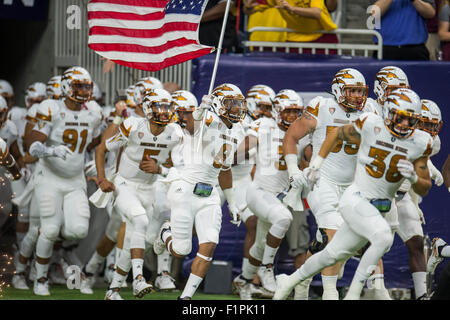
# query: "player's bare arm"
300, 128
100, 155
344, 133
423, 184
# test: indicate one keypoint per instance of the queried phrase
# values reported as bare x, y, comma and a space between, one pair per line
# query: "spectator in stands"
262, 15
433, 43
307, 18
444, 29
211, 26
403, 28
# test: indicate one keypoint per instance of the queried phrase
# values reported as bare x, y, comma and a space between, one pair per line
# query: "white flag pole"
216, 63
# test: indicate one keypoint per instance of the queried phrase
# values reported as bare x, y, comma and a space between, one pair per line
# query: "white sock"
164, 261
329, 288
445, 252
118, 251
420, 283
249, 271
301, 290
377, 281
191, 285
269, 255
137, 265
94, 263
41, 270
20, 267
117, 280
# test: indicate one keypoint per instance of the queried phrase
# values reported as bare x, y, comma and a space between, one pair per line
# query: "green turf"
60, 292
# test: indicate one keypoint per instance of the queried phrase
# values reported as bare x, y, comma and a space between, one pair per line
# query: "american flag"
146, 34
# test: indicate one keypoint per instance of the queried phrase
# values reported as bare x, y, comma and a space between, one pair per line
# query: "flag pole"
216, 63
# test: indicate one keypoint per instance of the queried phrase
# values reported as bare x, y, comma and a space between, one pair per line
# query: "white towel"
293, 199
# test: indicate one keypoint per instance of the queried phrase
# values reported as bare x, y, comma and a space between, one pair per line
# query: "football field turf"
60, 292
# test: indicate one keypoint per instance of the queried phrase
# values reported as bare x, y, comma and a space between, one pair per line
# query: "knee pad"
182, 248
29, 242
50, 231
382, 240
44, 247
137, 239
280, 227
77, 232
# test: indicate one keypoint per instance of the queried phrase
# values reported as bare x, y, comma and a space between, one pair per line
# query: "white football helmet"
157, 106
35, 93
387, 79
3, 110
431, 120
345, 82
130, 97
183, 101
229, 102
260, 101
53, 88
76, 84
140, 88
402, 112
284, 101
97, 94
6, 90
152, 81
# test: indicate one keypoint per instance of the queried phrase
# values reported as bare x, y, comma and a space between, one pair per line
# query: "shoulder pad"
46, 109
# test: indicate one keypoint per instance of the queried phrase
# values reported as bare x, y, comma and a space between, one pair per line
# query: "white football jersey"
74, 129
373, 106
271, 168
339, 166
216, 150
8, 132
243, 170
135, 136
376, 174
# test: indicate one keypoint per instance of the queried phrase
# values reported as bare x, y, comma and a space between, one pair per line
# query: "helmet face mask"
289, 106
402, 112
77, 85
289, 115
354, 97
161, 113
235, 108
431, 120
184, 103
432, 126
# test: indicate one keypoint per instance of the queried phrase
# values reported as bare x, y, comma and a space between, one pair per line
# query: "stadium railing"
341, 48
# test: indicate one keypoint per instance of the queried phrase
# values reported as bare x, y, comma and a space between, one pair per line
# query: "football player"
194, 201
259, 104
146, 144
390, 151
64, 131
320, 117
270, 181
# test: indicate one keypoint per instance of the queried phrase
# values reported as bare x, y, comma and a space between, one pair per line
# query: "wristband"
317, 162
292, 163
117, 120
163, 171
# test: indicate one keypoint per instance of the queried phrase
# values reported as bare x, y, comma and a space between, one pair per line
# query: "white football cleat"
165, 282
109, 273
284, 287
19, 281
158, 244
258, 291
113, 295
41, 288
87, 283
435, 257
381, 294
245, 293
267, 278
237, 284
141, 287
32, 274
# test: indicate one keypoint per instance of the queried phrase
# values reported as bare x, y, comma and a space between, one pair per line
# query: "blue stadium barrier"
431, 80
